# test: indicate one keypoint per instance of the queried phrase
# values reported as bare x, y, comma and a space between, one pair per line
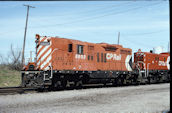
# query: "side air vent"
110, 48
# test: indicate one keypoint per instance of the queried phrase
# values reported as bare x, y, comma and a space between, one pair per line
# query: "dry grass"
9, 78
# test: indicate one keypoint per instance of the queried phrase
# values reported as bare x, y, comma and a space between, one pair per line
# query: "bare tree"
1, 59
14, 59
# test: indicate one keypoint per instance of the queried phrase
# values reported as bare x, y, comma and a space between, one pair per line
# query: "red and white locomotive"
154, 66
62, 62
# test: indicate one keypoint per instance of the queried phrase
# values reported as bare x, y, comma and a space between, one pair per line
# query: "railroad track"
23, 90
15, 90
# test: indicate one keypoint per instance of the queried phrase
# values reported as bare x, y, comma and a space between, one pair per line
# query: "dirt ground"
145, 99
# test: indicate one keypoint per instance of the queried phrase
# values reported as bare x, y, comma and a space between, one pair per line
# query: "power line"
137, 43
84, 13
65, 14
11, 31
120, 12
88, 11
91, 18
145, 33
75, 21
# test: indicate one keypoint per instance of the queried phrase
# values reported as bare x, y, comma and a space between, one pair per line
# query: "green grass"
9, 78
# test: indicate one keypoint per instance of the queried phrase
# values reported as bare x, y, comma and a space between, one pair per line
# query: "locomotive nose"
43, 53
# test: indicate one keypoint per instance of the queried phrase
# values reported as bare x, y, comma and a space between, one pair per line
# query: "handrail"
148, 69
51, 63
143, 64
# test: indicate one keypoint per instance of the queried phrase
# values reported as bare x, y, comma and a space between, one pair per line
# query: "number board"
45, 43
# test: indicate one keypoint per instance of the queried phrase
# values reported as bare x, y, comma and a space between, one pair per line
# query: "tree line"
13, 59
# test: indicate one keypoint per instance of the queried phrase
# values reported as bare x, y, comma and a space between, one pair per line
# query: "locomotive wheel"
56, 85
119, 81
132, 81
152, 79
104, 84
160, 79
136, 80
128, 79
78, 84
63, 84
115, 82
124, 82
149, 82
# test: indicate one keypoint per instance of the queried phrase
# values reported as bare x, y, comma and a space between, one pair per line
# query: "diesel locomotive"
62, 63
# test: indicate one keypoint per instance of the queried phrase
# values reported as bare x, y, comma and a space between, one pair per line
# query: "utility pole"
118, 37
28, 6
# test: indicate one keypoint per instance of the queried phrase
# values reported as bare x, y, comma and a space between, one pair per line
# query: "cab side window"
69, 47
80, 49
97, 57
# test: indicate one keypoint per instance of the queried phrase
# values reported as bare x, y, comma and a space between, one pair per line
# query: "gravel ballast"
145, 98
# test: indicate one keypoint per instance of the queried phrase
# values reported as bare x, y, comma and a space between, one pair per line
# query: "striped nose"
44, 53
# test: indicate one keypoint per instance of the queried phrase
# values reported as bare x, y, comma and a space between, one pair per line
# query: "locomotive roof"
165, 53
78, 41
85, 43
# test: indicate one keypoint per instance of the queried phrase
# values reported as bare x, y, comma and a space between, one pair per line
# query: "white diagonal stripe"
48, 59
42, 51
47, 67
39, 47
44, 56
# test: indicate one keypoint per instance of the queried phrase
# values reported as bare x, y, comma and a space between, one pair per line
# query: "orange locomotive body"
153, 61
155, 66
67, 54
62, 63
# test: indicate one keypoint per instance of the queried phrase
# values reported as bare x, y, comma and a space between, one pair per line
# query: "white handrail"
51, 63
148, 69
143, 65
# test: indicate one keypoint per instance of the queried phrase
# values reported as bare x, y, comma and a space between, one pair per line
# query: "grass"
9, 78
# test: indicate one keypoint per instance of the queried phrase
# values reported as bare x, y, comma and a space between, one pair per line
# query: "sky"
142, 24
